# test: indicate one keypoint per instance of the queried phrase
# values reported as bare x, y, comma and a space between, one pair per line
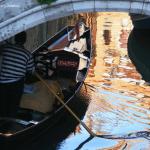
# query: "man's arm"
30, 68
30, 65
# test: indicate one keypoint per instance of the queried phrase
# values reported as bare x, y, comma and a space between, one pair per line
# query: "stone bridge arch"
29, 13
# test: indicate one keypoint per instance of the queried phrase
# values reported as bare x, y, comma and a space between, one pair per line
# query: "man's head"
20, 38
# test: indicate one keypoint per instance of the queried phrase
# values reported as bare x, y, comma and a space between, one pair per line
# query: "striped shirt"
16, 63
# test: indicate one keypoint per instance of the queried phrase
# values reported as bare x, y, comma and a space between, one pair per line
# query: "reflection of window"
107, 36
123, 38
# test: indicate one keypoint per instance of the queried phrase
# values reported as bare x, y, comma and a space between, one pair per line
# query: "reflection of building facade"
124, 38
91, 21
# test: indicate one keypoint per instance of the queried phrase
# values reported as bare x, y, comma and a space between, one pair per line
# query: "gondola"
138, 51
62, 62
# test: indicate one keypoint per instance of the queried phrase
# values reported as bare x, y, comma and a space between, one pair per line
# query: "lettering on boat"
66, 63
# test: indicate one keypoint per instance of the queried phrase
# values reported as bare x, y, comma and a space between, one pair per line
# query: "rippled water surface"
119, 109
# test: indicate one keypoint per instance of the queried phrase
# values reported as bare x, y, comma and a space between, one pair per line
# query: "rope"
143, 6
94, 6
85, 86
130, 6
73, 7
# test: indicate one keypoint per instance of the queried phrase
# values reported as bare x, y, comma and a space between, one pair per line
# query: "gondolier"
17, 63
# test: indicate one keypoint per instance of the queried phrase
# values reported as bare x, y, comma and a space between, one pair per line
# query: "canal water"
119, 98
114, 104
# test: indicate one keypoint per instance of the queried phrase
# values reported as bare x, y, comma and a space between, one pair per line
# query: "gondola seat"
41, 99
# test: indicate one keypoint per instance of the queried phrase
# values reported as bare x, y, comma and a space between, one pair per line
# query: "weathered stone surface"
19, 15
9, 8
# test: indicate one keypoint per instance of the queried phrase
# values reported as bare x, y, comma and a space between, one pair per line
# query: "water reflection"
124, 38
119, 107
107, 36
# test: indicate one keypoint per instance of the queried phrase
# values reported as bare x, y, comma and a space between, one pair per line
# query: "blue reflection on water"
123, 116
73, 142
117, 115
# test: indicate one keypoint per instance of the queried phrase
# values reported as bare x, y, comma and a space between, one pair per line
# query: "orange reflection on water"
119, 97
111, 60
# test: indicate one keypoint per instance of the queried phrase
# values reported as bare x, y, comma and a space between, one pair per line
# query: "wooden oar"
68, 108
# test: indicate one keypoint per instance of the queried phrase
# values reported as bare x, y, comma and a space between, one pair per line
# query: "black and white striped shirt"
16, 63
